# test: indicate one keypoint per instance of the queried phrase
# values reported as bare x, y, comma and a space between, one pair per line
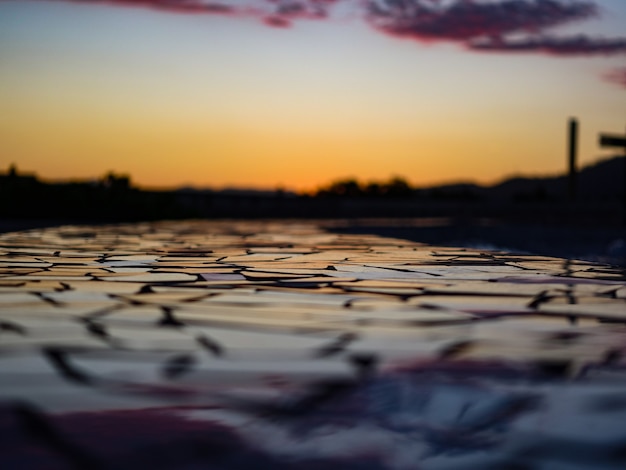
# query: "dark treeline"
110, 198
113, 198
396, 188
399, 189
599, 182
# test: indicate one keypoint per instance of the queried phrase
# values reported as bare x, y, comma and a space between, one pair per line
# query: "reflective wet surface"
239, 344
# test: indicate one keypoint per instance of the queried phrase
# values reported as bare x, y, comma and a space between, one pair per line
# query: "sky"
294, 94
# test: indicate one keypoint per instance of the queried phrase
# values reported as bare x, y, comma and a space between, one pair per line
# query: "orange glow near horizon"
300, 163
160, 153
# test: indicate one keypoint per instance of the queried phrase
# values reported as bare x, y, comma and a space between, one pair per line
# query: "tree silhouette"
396, 187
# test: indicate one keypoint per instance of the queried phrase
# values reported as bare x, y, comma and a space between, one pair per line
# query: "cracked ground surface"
281, 345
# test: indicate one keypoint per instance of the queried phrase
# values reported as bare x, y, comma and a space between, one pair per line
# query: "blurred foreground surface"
232, 345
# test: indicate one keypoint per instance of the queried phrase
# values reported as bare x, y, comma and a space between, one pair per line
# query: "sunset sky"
298, 93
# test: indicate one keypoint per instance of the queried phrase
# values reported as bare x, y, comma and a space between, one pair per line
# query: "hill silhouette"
114, 198
599, 181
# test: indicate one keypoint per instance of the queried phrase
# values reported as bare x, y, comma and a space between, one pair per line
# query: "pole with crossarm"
617, 141
572, 151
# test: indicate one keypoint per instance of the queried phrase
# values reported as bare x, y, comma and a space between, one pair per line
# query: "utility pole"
572, 151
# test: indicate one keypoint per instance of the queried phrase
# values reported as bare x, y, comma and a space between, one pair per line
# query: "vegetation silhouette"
396, 188
114, 198
595, 183
111, 198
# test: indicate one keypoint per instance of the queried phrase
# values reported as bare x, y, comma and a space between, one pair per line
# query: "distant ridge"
600, 200
598, 181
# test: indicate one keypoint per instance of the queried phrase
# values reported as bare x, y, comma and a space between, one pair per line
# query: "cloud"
430, 20
561, 46
286, 11
616, 76
275, 13
503, 26
171, 6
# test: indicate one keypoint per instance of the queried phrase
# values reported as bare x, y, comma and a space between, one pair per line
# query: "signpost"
573, 150
612, 141
616, 141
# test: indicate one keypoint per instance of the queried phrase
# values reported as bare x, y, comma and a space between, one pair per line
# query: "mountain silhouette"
598, 181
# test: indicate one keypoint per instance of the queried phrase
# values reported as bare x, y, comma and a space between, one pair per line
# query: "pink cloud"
476, 25
171, 6
561, 46
275, 13
428, 20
